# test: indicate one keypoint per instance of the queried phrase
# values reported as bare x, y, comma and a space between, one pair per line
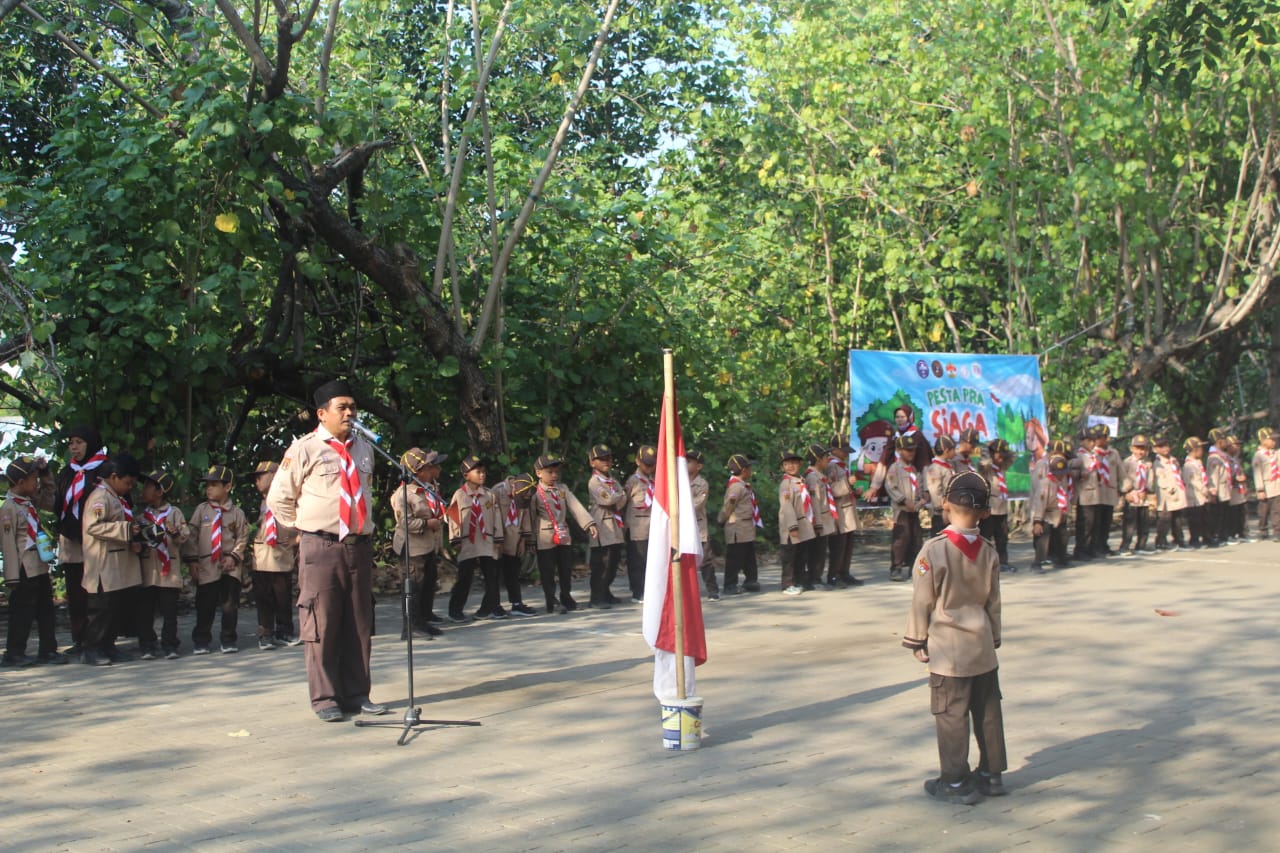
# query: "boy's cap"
1217, 435
265, 467
788, 455
162, 479
1160, 441
1265, 433
1192, 443
1100, 431
21, 468
970, 436
1140, 440
122, 465
218, 474
738, 463
1058, 448
1233, 438
943, 443
522, 484
647, 454
1085, 432
905, 442
415, 458
814, 452
600, 451
998, 445
1057, 463
695, 456
842, 444
471, 463
969, 489
329, 390
548, 460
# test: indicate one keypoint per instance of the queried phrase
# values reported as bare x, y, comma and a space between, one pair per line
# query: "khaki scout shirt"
1218, 467
938, 475
1197, 480
999, 503
547, 513
1239, 482
107, 535
824, 520
13, 533
1264, 483
176, 532
795, 524
841, 482
902, 495
478, 535
738, 513
1087, 487
515, 518
1109, 492
1044, 500
639, 505
1171, 489
424, 505
197, 552
1136, 471
955, 605
307, 491
280, 557
699, 488
608, 502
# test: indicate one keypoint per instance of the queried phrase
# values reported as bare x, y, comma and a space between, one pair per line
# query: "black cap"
122, 465
471, 463
162, 479
791, 454
1085, 432
1058, 448
218, 474
1100, 431
23, 467
737, 463
600, 451
905, 442
943, 443
969, 489
971, 436
522, 484
814, 452
548, 460
695, 456
647, 454
1057, 463
329, 390
841, 443
998, 445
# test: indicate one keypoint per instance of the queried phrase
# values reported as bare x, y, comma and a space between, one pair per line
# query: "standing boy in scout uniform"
1085, 470
476, 531
214, 555
26, 575
906, 491
1218, 468
966, 445
420, 531
639, 488
699, 490
275, 556
112, 573
550, 508
1136, 485
1266, 482
1197, 480
72, 488
796, 514
322, 491
740, 515
1050, 501
1109, 474
937, 476
825, 515
1239, 491
1171, 495
161, 567
512, 495
843, 489
608, 503
995, 522
954, 627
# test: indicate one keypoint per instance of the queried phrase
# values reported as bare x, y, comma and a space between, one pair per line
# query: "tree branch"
256, 55
326, 55
284, 51
346, 164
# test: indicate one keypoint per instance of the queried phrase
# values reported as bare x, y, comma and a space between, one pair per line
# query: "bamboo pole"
673, 511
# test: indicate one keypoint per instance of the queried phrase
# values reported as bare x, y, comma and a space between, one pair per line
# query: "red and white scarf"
33, 521
915, 480
513, 511
157, 517
270, 534
1002, 483
1064, 496
1103, 466
831, 499
561, 534
609, 484
648, 490
71, 503
475, 526
755, 506
806, 502
354, 509
215, 535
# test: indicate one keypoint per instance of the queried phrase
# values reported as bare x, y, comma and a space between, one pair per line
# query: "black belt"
352, 538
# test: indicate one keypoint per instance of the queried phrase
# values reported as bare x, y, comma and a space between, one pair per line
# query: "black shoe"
852, 581
118, 656
751, 586
600, 605
964, 794
16, 660
372, 709
731, 590
332, 714
52, 658
896, 575
429, 629
435, 617
94, 659
613, 599
74, 650
459, 618
989, 784
569, 604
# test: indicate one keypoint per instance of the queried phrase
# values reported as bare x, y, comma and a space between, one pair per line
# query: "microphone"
365, 431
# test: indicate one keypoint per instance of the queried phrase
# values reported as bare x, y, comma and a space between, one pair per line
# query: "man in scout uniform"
1050, 501
844, 490
1266, 483
322, 491
512, 495
214, 555
905, 486
639, 488
275, 556
476, 532
825, 516
112, 572
608, 503
551, 505
1171, 495
161, 566
700, 490
740, 515
796, 514
421, 527
26, 574
1197, 480
1136, 486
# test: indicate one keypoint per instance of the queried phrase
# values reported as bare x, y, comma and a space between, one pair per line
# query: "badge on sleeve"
923, 567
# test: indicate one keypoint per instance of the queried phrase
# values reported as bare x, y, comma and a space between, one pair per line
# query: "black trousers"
31, 601
637, 554
740, 558
817, 558
1216, 521
556, 563
108, 613
840, 555
604, 561
1084, 531
77, 599
1102, 517
1239, 516
462, 585
509, 566
953, 701
492, 598
164, 602
1051, 544
1167, 521
795, 563
996, 528
1137, 527
907, 540
1268, 517
1197, 532
273, 595
224, 594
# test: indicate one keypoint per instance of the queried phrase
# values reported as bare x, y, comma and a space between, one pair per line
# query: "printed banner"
998, 395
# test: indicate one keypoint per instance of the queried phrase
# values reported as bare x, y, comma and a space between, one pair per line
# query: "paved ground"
1127, 730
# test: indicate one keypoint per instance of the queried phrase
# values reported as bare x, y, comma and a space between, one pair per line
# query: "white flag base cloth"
664, 676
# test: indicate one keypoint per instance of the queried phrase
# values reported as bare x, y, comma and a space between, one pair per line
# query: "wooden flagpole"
673, 511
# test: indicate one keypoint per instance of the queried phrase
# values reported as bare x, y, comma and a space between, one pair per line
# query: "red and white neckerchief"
157, 517
215, 535
915, 480
270, 534
648, 490
609, 484
71, 503
1002, 483
353, 511
475, 522
1103, 466
941, 463
806, 502
1204, 475
561, 535
33, 521
1064, 497
968, 543
434, 501
1173, 466
1141, 479
1275, 467
755, 506
513, 511
826, 487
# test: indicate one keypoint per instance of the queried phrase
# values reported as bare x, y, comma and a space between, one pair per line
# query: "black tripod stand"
412, 714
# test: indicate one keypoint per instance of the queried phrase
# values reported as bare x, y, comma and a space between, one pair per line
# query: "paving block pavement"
1127, 730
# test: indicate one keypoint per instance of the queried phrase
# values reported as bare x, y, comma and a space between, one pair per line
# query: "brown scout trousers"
335, 617
954, 700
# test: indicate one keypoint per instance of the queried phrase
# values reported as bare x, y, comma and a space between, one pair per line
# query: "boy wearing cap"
214, 554
275, 556
937, 476
1171, 495
954, 626
639, 488
1085, 471
1136, 486
906, 495
740, 515
1109, 475
1217, 467
796, 514
552, 505
112, 572
165, 529
1197, 480
825, 516
966, 444
995, 523
420, 531
844, 489
26, 574
512, 495
1266, 482
1050, 501
700, 491
1239, 491
608, 502
72, 488
476, 532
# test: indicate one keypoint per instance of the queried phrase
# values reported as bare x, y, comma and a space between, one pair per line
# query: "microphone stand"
412, 714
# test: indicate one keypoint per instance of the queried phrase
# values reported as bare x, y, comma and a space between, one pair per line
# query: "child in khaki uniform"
1197, 480
639, 488
1050, 501
1136, 487
701, 491
796, 514
1171, 495
275, 556
608, 503
420, 532
844, 490
214, 555
512, 495
1266, 482
826, 516
954, 626
161, 567
937, 477
740, 515
550, 508
907, 494
26, 574
112, 572
995, 525
476, 532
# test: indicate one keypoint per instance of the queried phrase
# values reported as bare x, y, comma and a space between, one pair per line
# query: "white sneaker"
792, 590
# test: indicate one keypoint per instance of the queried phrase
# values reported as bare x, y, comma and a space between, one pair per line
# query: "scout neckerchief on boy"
353, 510
806, 502
556, 538
475, 519
1141, 484
434, 502
157, 518
1177, 472
968, 543
826, 486
915, 479
513, 511
33, 521
1103, 466
1064, 497
609, 484
215, 535
755, 507
269, 533
76, 489
1275, 465
1002, 483
648, 490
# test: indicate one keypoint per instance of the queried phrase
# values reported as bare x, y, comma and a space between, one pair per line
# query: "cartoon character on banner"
874, 459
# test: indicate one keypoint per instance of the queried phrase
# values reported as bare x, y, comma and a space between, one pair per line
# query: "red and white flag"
659, 620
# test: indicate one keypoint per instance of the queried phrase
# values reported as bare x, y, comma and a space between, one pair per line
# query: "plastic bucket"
682, 723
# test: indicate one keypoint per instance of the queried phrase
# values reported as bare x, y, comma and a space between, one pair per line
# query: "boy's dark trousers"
637, 555
954, 700
907, 540
1084, 527
996, 528
557, 562
31, 600
273, 595
1051, 544
1196, 533
107, 611
1101, 532
817, 556
740, 557
709, 569
795, 562
509, 565
462, 585
225, 591
77, 599
1166, 521
145, 605
1136, 527
1269, 518
491, 601
841, 554
165, 605
604, 560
